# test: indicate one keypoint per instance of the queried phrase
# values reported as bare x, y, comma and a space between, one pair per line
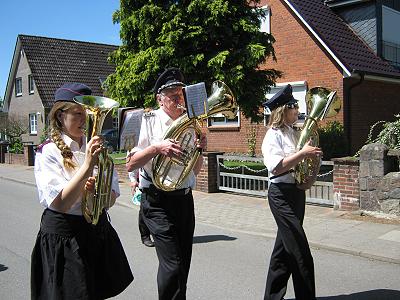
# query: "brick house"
39, 66
348, 46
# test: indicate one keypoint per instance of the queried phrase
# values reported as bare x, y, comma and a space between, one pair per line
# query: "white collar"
165, 118
72, 144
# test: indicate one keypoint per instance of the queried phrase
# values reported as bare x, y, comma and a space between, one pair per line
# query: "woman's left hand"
90, 184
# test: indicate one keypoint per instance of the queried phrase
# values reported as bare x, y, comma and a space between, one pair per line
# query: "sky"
81, 20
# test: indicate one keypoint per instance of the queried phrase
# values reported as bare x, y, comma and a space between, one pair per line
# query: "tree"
13, 127
207, 40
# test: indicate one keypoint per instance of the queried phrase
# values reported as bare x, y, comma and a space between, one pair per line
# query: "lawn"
118, 157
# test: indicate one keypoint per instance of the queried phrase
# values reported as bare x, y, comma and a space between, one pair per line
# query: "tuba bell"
97, 109
169, 173
321, 103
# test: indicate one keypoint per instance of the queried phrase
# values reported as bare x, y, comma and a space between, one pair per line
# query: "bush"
333, 141
16, 146
389, 135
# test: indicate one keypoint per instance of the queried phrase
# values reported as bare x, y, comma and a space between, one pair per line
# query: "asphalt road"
226, 264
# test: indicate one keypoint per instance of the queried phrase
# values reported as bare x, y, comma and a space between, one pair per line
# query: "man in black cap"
168, 215
291, 254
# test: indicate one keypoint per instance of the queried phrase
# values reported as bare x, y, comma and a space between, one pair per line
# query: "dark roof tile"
56, 61
341, 39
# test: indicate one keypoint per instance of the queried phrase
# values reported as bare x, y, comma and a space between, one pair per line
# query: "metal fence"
244, 180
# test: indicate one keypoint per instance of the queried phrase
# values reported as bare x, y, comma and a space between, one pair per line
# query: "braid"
55, 135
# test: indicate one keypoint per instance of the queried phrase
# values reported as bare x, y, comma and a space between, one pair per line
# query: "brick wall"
26, 159
206, 180
369, 102
346, 186
17, 159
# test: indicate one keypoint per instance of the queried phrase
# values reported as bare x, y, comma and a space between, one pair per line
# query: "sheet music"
130, 129
196, 100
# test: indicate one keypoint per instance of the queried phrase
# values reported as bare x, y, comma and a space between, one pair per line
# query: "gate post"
207, 179
346, 184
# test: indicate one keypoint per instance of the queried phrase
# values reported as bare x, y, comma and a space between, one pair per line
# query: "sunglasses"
292, 105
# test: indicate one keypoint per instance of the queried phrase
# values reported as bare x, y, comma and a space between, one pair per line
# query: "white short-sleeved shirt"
153, 128
278, 144
51, 175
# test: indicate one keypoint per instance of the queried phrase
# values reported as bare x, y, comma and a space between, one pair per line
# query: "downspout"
348, 114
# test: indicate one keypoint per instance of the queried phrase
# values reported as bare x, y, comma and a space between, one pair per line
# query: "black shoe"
148, 243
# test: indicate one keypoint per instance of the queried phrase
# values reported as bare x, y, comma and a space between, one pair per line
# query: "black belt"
153, 191
284, 173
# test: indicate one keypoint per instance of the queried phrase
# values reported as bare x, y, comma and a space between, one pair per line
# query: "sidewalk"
325, 228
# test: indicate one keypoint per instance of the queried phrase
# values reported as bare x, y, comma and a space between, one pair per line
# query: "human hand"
201, 142
312, 152
170, 148
134, 185
90, 185
93, 149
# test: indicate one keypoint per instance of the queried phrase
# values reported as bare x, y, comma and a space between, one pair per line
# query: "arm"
291, 161
139, 158
75, 187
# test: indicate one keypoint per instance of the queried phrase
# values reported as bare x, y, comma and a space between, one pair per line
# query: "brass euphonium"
97, 109
170, 173
321, 103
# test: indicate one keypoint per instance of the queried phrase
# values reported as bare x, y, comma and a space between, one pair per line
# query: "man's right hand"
170, 148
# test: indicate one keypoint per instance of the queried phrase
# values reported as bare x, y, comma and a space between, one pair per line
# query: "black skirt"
73, 259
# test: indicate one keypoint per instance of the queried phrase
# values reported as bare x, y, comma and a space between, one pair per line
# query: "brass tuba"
97, 109
321, 103
170, 173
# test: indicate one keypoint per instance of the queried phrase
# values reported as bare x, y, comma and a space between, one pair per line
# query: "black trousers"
170, 219
143, 229
291, 254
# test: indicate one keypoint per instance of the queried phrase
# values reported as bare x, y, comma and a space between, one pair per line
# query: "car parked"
110, 139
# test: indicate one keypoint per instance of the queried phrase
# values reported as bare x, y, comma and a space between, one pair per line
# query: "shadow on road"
367, 295
3, 268
212, 238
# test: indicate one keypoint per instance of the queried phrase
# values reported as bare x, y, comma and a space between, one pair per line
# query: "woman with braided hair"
73, 259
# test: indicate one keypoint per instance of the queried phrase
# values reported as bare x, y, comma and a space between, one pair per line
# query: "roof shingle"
340, 38
56, 61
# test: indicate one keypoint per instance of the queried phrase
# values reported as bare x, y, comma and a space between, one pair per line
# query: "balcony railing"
391, 52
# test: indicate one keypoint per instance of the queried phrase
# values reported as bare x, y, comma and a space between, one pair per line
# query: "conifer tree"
207, 40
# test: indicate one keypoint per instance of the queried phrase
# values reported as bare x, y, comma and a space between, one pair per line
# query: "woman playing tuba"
90, 258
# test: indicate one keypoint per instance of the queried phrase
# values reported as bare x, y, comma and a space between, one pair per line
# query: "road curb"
18, 181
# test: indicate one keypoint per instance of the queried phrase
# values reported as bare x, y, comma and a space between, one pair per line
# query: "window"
221, 120
18, 86
299, 93
266, 20
115, 122
390, 35
31, 84
33, 123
